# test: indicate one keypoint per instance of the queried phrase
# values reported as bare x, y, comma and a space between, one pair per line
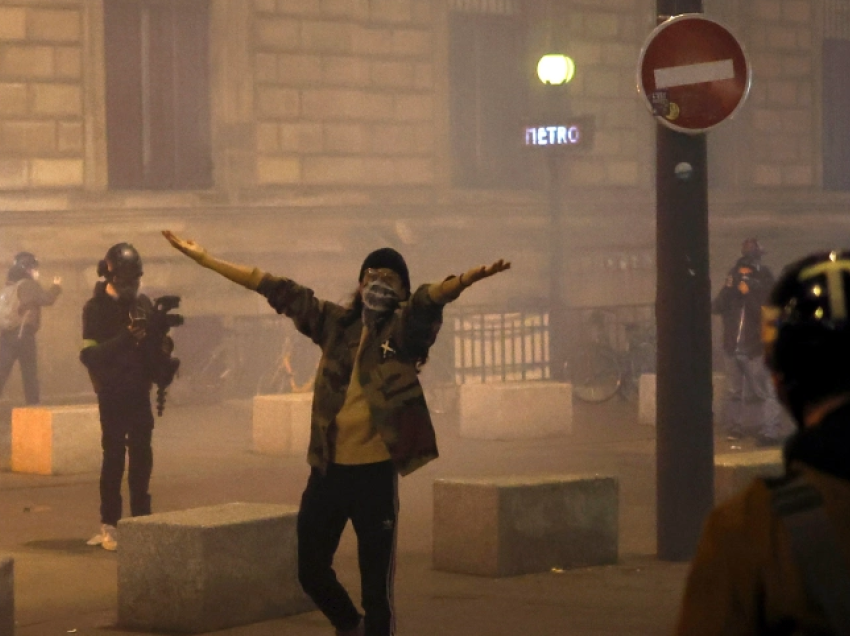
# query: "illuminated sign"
552, 135
577, 133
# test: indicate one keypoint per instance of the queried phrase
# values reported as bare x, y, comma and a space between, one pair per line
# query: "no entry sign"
693, 73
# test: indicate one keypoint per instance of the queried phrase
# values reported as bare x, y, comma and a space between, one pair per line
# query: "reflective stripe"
89, 343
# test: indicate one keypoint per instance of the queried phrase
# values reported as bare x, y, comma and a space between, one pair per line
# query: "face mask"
379, 296
379, 299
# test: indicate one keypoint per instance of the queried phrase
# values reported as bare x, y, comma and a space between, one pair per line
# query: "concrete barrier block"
56, 440
5, 438
515, 410
647, 402
281, 423
519, 525
7, 596
733, 472
210, 568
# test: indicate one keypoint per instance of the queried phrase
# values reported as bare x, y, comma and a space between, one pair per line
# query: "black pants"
368, 495
126, 423
20, 345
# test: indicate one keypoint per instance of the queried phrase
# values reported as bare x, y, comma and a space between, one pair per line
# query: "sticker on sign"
694, 74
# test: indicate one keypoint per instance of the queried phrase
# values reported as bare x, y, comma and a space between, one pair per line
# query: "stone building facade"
297, 135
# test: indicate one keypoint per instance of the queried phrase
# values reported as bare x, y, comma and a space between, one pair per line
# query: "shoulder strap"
816, 549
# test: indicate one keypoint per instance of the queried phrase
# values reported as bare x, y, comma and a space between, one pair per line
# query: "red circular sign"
693, 73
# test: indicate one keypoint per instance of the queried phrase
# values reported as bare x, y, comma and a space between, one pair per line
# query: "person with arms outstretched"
370, 422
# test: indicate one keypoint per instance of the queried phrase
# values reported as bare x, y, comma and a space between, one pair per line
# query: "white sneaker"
107, 538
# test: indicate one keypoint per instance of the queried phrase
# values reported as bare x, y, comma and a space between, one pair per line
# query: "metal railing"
488, 344
499, 346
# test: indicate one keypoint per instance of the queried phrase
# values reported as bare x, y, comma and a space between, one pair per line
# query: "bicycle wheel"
212, 382
441, 398
595, 374
273, 383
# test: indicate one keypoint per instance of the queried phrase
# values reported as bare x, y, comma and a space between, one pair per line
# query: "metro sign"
693, 73
575, 133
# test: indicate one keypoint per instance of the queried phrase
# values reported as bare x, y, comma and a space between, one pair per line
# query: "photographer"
751, 407
126, 350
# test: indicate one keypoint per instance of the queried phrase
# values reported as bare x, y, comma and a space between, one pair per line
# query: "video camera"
161, 320
162, 365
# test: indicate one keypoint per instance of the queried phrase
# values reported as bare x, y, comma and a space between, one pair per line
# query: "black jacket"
741, 313
116, 362
744, 578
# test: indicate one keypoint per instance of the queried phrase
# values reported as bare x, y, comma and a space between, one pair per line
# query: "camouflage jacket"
387, 369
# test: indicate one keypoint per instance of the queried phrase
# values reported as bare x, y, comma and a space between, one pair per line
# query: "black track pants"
367, 495
126, 430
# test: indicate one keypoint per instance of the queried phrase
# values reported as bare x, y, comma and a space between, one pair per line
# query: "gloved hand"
249, 277
451, 288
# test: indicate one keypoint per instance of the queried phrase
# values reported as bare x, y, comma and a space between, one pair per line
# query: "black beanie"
388, 258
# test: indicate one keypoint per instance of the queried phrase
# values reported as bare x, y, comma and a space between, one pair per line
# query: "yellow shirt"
357, 439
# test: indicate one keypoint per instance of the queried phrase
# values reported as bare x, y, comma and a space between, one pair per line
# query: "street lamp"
556, 69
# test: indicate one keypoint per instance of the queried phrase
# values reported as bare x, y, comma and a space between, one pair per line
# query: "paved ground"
203, 456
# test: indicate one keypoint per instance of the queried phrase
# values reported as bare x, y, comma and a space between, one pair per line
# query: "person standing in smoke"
775, 559
370, 422
20, 318
124, 354
751, 406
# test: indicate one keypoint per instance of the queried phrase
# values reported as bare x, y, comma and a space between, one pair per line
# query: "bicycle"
440, 388
208, 360
281, 378
599, 371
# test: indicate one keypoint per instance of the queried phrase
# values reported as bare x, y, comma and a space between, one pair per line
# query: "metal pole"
684, 436
556, 259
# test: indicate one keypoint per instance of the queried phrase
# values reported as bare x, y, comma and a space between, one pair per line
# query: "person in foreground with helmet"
751, 407
370, 421
20, 318
117, 334
776, 558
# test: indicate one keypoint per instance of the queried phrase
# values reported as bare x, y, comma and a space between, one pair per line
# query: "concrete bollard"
733, 472
520, 525
54, 440
7, 596
5, 438
647, 402
207, 569
281, 423
515, 410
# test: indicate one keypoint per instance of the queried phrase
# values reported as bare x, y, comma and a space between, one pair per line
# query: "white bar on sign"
694, 74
